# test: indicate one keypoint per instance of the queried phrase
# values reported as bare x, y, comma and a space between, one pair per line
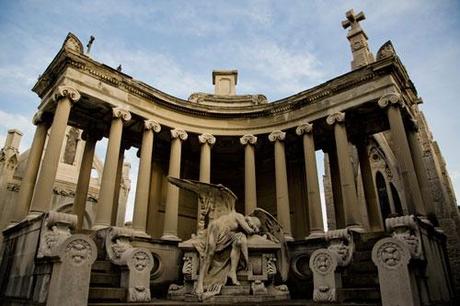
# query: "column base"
356, 228
288, 237
97, 227
141, 234
315, 235
170, 237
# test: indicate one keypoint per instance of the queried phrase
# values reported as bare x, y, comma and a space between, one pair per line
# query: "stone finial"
358, 40
225, 82
304, 128
391, 99
277, 135
207, 138
152, 125
338, 117
179, 133
386, 50
248, 139
67, 92
121, 113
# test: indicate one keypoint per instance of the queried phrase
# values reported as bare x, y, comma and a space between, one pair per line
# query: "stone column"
32, 166
116, 219
393, 103
107, 189
282, 193
172, 195
352, 212
250, 187
420, 169
143, 178
84, 176
311, 173
43, 192
372, 203
207, 141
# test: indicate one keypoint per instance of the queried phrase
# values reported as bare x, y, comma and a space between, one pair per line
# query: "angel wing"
213, 200
274, 231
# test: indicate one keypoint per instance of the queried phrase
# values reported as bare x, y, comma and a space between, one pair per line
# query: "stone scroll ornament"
405, 229
56, 228
324, 263
216, 252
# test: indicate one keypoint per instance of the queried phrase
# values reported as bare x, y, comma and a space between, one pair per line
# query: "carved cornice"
121, 113
338, 117
305, 128
207, 138
152, 125
179, 133
248, 139
277, 135
391, 99
67, 92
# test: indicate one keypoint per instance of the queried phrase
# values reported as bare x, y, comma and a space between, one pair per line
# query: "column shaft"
107, 189
250, 187
172, 196
143, 182
372, 203
118, 213
205, 163
282, 194
421, 172
43, 192
314, 200
30, 175
406, 165
84, 177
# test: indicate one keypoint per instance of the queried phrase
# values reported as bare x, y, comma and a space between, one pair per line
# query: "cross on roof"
353, 20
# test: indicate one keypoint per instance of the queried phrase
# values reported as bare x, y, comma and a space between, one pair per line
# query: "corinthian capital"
305, 128
121, 113
179, 133
391, 99
152, 125
277, 135
338, 117
207, 138
67, 92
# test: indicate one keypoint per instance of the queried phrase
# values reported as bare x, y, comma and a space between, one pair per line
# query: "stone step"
101, 279
358, 295
100, 294
102, 266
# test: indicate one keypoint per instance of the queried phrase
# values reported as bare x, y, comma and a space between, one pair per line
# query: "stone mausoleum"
227, 202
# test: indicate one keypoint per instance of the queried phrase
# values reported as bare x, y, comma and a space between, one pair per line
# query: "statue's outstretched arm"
242, 222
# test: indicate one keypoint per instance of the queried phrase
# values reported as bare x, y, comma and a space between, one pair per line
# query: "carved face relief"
390, 255
120, 246
140, 261
322, 263
79, 251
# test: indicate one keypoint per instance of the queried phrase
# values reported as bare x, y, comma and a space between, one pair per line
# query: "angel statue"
222, 236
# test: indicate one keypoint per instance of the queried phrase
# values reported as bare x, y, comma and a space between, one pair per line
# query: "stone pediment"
227, 100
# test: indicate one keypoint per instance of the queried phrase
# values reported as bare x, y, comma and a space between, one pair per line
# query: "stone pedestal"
323, 263
71, 274
135, 275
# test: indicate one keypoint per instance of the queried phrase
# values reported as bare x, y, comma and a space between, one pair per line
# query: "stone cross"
353, 20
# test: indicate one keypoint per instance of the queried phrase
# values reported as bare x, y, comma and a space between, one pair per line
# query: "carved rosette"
277, 135
391, 99
390, 253
179, 134
207, 139
405, 229
323, 262
121, 113
338, 117
67, 92
305, 128
55, 230
248, 139
140, 260
152, 125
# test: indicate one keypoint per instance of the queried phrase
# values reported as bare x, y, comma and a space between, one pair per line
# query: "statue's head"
254, 223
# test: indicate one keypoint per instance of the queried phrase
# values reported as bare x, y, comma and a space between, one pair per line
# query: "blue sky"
279, 48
